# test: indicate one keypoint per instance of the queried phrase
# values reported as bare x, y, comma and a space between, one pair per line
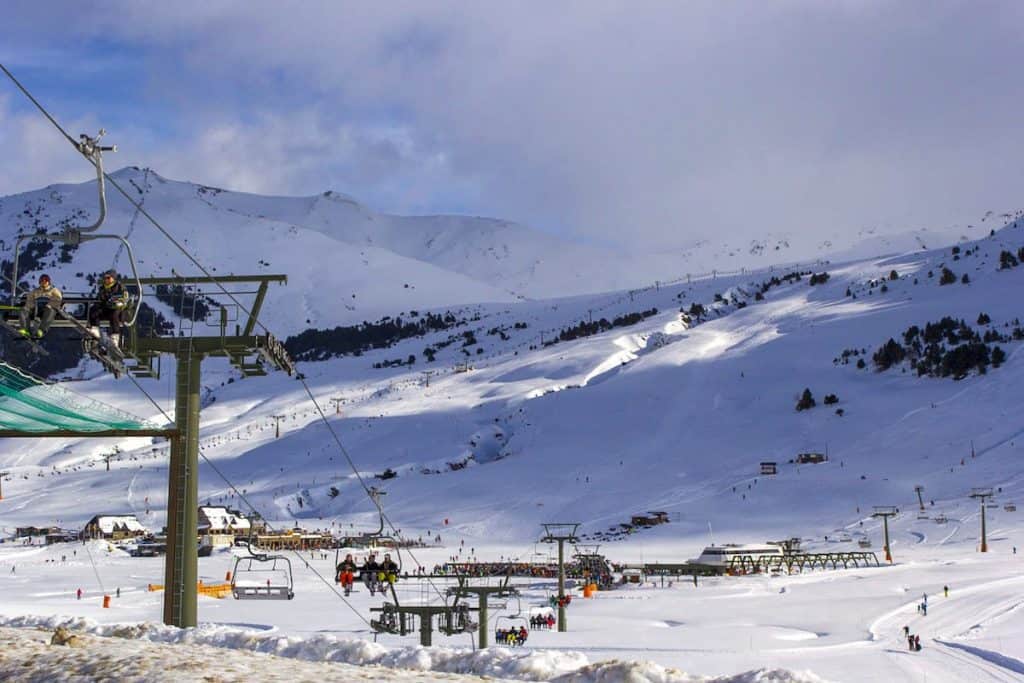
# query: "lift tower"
920, 500
245, 350
981, 495
885, 512
502, 590
560, 533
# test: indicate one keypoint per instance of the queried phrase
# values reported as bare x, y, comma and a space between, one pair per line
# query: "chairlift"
90, 148
456, 620
259, 576
864, 543
392, 621
1010, 507
506, 625
372, 543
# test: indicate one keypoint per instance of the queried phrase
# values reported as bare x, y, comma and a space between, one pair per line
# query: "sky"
639, 124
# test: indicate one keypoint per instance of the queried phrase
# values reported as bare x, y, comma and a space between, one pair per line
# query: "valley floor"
844, 625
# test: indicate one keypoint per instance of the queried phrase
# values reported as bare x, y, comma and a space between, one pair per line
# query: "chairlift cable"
95, 570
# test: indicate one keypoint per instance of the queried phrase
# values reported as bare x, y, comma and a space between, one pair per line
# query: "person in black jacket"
111, 302
370, 570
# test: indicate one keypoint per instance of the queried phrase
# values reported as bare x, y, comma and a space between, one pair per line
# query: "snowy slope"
665, 414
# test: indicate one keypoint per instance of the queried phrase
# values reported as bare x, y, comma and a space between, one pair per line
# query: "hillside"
659, 414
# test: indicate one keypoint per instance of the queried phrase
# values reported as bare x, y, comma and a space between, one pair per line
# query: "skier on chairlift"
111, 302
42, 304
388, 570
346, 573
370, 571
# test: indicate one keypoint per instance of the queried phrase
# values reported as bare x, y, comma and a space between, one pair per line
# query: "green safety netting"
28, 404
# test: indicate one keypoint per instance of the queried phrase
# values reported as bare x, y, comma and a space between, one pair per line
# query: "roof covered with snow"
107, 523
217, 518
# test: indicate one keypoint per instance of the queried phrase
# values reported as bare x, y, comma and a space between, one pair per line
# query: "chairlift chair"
456, 620
511, 623
259, 576
392, 621
107, 353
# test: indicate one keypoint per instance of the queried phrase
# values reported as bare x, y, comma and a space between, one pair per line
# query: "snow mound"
524, 664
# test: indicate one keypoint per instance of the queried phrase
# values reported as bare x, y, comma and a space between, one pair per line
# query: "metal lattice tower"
483, 593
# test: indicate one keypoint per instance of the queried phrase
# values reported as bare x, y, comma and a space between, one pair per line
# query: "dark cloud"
647, 123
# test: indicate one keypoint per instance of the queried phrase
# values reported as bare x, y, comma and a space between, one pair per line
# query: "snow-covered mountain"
347, 263
642, 403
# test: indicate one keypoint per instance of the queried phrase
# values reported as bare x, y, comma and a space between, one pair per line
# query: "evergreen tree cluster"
819, 278
182, 300
314, 344
788, 278
588, 328
948, 348
1008, 260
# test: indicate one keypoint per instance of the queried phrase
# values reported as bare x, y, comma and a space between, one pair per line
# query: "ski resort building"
114, 527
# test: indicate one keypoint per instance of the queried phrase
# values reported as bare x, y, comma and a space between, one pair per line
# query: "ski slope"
670, 413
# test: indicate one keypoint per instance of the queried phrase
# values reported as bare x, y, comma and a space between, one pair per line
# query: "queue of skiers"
373, 574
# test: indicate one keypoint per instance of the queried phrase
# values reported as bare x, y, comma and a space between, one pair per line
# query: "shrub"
948, 277
893, 275
831, 399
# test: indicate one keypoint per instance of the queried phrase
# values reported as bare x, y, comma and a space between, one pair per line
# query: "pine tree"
806, 401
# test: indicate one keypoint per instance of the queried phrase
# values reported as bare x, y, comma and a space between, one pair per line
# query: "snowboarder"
111, 302
42, 303
945, 591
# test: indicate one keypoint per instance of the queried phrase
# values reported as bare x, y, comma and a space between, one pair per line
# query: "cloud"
642, 123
